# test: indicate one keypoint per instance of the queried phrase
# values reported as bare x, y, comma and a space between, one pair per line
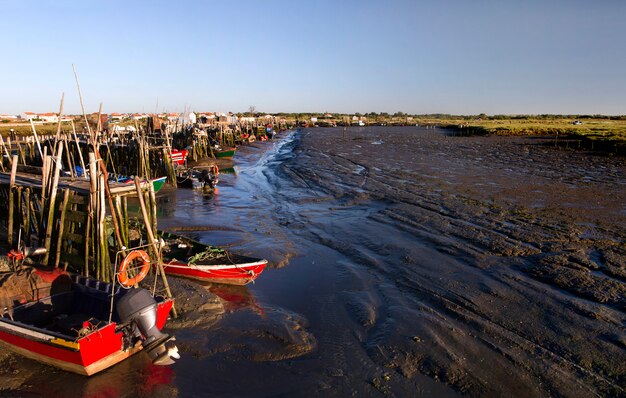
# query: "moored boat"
80, 324
191, 259
179, 157
225, 153
83, 325
157, 183
196, 179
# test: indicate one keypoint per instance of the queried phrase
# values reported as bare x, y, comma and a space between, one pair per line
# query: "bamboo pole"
80, 97
116, 227
60, 117
63, 210
18, 206
120, 214
80, 152
51, 202
20, 151
104, 265
27, 216
32, 126
99, 125
93, 175
11, 204
153, 241
45, 171
6, 151
68, 156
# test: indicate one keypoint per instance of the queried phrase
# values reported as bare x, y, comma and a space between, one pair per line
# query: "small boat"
187, 258
197, 179
157, 183
80, 324
225, 153
179, 157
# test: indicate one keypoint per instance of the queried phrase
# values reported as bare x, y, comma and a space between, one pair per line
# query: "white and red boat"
179, 157
187, 258
80, 324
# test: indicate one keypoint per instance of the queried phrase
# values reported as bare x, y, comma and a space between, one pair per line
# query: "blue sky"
448, 56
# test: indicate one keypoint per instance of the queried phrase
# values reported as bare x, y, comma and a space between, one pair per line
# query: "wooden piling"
153, 241
62, 210
11, 204
6, 150
80, 153
51, 202
26, 216
32, 126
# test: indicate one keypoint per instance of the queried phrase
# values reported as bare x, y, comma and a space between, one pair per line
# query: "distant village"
252, 118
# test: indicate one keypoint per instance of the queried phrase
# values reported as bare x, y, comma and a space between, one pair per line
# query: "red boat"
185, 257
76, 324
179, 157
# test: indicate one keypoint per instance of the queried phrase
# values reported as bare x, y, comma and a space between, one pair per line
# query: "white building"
44, 117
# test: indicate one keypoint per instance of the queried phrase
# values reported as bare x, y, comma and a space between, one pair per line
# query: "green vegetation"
25, 129
590, 127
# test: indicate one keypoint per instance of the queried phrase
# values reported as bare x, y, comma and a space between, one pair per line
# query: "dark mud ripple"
493, 265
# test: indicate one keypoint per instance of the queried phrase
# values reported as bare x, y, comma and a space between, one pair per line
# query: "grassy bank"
25, 129
589, 128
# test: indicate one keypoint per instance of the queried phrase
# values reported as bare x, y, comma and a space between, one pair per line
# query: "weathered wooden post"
51, 202
11, 204
153, 241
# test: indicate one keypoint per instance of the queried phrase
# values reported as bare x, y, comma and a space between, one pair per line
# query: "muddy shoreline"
533, 300
403, 262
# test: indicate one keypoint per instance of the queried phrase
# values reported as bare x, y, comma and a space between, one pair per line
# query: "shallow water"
402, 262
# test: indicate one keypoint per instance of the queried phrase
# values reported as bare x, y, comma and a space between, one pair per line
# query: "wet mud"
403, 262
494, 265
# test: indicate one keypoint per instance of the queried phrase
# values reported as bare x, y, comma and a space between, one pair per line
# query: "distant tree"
252, 109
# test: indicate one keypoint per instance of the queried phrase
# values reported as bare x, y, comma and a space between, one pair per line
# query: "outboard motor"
206, 178
138, 306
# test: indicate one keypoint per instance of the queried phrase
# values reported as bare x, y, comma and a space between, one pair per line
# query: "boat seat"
41, 312
95, 303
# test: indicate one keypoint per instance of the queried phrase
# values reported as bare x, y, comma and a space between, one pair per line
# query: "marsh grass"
591, 128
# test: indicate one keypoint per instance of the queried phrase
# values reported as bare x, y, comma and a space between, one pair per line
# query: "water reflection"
135, 376
235, 298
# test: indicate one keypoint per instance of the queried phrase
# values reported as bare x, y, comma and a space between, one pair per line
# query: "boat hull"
240, 274
94, 351
158, 183
87, 360
225, 154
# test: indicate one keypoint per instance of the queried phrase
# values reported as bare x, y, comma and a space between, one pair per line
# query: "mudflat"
403, 262
495, 265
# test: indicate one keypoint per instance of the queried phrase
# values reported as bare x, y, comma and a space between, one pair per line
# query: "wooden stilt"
11, 201
51, 202
153, 241
62, 210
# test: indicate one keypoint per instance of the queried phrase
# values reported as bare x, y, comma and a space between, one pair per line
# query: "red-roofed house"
44, 117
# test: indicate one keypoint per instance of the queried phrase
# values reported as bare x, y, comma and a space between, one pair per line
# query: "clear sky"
414, 56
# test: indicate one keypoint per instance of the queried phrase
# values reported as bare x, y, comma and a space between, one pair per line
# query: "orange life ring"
122, 275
